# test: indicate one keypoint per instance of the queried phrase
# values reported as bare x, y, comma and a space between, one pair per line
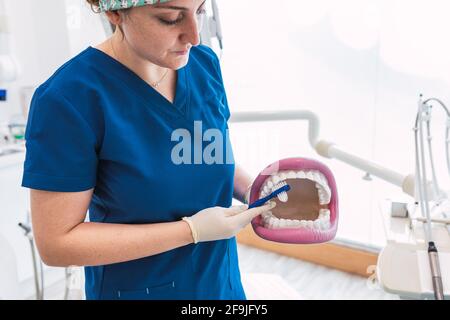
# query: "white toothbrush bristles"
282, 196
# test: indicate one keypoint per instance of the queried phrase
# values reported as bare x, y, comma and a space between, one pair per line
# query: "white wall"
45, 34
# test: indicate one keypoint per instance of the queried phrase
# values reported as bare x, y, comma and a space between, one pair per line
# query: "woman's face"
164, 34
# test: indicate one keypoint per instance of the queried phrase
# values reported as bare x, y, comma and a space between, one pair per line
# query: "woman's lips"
181, 53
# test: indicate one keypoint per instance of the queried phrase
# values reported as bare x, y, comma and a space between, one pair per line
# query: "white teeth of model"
321, 223
323, 178
322, 186
324, 213
267, 221
310, 175
283, 223
324, 197
318, 178
325, 223
301, 175
317, 224
274, 224
275, 179
293, 223
313, 175
291, 175
328, 193
266, 214
324, 194
316, 175
327, 189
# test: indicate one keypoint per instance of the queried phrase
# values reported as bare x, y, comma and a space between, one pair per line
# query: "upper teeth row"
321, 182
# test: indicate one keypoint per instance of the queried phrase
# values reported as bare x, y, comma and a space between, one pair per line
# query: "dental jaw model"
311, 213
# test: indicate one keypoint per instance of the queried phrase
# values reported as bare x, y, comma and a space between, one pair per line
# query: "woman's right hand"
219, 223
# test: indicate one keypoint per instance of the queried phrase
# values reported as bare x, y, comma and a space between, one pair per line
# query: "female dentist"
104, 134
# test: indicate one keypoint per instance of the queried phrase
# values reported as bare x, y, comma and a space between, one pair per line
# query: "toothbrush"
280, 193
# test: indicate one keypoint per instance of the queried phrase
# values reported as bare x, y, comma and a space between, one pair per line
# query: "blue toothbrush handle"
261, 201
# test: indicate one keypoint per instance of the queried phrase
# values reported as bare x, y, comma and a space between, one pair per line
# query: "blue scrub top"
96, 124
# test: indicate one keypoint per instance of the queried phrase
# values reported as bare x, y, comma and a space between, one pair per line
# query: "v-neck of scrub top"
180, 105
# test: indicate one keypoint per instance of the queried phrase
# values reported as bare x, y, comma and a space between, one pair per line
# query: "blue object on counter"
2, 95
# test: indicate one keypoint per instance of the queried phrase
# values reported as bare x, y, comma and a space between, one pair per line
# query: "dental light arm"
217, 26
331, 150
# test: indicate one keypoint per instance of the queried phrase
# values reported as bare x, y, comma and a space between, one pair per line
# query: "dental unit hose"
424, 115
39, 286
435, 271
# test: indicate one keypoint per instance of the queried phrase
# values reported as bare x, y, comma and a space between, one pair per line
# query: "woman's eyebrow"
162, 6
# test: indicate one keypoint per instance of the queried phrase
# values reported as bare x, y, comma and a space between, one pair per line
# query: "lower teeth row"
321, 223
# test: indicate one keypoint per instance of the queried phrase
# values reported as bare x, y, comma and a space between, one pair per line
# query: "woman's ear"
114, 17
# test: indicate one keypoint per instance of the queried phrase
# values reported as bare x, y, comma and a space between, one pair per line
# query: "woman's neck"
119, 49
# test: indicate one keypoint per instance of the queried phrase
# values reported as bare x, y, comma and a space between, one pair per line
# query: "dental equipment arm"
217, 26
212, 28
39, 286
331, 150
424, 115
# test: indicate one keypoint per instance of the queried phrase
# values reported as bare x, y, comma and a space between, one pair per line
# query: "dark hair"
95, 5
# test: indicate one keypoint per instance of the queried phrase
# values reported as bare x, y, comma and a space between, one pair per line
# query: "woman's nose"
192, 31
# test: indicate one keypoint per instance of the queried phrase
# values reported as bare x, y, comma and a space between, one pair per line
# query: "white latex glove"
218, 223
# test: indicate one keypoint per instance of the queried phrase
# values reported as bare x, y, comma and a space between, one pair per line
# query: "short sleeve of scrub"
61, 146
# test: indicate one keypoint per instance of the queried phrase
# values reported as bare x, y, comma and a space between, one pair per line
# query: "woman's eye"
178, 20
170, 22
